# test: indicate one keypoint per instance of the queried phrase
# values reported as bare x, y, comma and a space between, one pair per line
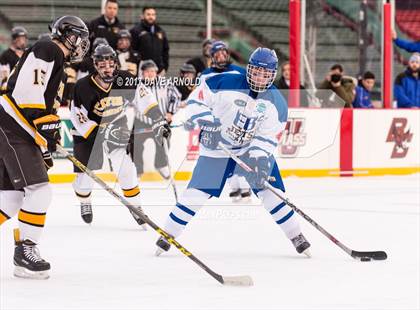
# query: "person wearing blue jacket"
407, 84
409, 46
363, 90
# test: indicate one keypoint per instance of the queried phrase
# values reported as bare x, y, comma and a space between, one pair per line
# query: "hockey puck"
365, 259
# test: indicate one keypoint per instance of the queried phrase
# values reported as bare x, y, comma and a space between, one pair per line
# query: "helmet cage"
255, 73
100, 68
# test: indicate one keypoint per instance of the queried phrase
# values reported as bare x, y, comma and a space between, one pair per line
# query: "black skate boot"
246, 195
86, 212
138, 219
28, 263
301, 244
163, 246
235, 195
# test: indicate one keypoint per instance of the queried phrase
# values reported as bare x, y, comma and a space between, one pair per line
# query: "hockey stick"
171, 179
362, 256
233, 280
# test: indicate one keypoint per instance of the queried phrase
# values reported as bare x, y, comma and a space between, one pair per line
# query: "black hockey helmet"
221, 62
187, 68
73, 33
17, 32
98, 41
124, 33
104, 53
148, 64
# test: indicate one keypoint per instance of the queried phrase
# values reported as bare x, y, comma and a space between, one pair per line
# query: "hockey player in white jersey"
245, 113
220, 58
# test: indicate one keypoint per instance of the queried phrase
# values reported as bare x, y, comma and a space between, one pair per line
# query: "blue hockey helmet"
262, 69
220, 61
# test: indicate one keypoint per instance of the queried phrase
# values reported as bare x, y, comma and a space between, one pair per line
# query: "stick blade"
375, 255
238, 281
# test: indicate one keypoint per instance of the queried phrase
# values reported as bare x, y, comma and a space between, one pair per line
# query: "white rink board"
321, 148
371, 129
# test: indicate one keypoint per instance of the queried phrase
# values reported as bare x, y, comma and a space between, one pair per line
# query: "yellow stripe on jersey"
18, 114
40, 106
150, 107
131, 192
31, 218
87, 134
40, 140
3, 217
46, 119
100, 87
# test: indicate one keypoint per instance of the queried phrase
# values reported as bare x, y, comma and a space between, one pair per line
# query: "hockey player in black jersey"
98, 114
29, 132
10, 57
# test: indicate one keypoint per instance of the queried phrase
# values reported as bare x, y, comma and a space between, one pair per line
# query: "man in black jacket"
107, 25
150, 41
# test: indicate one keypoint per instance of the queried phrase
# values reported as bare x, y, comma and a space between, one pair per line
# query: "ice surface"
110, 265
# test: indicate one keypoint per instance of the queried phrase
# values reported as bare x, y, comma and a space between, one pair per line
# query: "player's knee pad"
193, 198
83, 185
10, 203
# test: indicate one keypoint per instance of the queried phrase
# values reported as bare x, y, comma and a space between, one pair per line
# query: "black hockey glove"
48, 161
262, 167
210, 133
48, 132
161, 129
116, 135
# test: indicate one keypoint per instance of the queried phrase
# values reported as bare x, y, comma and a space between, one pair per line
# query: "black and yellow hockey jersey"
94, 106
34, 88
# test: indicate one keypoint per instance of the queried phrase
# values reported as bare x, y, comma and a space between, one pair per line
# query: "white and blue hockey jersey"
250, 121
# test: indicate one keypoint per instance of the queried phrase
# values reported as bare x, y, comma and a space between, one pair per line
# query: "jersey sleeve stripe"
32, 106
149, 108
87, 133
19, 117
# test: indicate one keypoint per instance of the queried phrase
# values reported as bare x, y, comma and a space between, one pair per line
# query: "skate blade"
21, 272
307, 253
143, 227
246, 200
158, 252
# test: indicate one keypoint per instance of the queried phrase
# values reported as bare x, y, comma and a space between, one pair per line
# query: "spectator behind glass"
364, 88
127, 58
407, 85
202, 62
107, 25
283, 85
411, 47
150, 41
341, 85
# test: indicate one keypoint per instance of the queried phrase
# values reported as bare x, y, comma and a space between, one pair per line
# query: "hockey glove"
117, 136
48, 131
210, 133
48, 161
262, 167
161, 129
